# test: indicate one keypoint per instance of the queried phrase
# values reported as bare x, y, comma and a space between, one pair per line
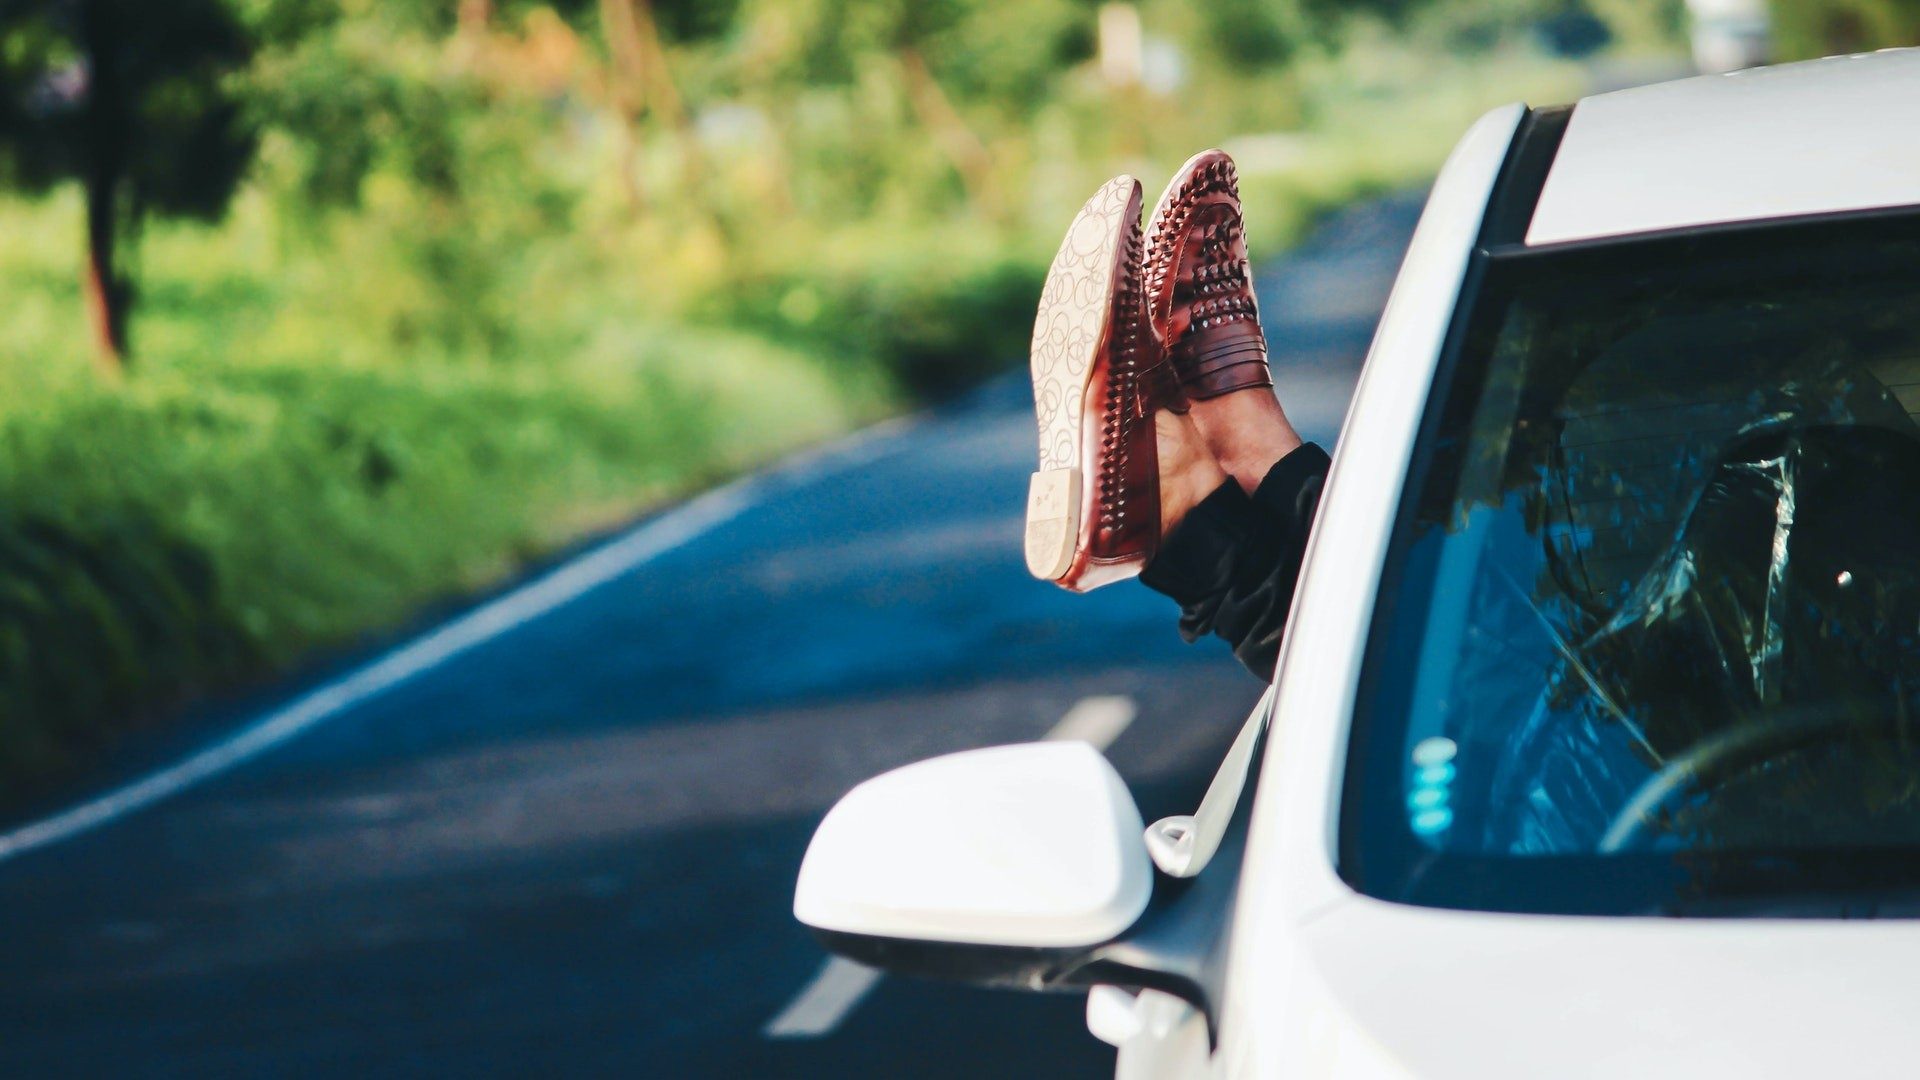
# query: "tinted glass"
1649, 639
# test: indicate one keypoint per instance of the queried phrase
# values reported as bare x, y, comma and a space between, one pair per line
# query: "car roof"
1814, 137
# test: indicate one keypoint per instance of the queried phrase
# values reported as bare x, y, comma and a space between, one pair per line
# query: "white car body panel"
1326, 983
1443, 994
1808, 138
1275, 1025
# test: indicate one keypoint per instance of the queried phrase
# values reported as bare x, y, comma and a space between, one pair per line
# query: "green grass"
256, 491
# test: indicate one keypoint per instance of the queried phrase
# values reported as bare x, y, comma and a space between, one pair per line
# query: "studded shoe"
1099, 374
1199, 284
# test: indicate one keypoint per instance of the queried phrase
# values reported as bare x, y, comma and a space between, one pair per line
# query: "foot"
1188, 472
1100, 381
1201, 302
1248, 433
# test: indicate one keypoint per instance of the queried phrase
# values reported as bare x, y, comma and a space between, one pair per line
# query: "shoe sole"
1072, 328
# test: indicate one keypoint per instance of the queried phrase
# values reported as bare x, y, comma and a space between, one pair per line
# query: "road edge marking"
545, 593
823, 1003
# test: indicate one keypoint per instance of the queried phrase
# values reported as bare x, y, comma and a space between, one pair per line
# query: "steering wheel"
1712, 761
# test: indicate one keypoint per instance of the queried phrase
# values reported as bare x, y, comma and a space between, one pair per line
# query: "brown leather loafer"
1199, 284
1099, 374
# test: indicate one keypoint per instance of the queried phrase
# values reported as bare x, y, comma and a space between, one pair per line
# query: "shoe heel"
1053, 522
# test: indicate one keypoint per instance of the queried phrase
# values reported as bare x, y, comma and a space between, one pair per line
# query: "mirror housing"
991, 865
1025, 866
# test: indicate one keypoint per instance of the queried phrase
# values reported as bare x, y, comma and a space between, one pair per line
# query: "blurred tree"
350, 94
1250, 34
695, 20
949, 58
1573, 31
640, 83
1807, 28
131, 99
1643, 26
644, 89
475, 16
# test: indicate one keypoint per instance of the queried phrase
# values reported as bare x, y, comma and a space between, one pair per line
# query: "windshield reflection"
1659, 593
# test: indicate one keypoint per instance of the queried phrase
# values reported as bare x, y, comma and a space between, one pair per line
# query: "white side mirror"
1030, 846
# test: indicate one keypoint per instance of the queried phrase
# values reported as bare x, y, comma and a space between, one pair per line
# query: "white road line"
841, 984
1097, 720
825, 1002
568, 582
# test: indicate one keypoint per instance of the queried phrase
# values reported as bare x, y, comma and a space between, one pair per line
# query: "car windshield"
1647, 639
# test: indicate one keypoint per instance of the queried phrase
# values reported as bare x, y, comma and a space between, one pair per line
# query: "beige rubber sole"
1071, 327
1053, 522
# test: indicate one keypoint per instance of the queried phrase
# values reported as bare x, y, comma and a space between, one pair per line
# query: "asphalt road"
561, 838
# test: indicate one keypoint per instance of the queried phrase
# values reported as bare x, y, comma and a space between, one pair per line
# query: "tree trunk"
622, 32
970, 157
621, 27
106, 129
664, 95
665, 103
475, 16
106, 293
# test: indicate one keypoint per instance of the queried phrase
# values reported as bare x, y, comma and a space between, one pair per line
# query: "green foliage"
1809, 28
1249, 34
695, 20
943, 316
131, 89
484, 289
341, 106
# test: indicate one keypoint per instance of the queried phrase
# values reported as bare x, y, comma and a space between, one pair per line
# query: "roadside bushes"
204, 526
935, 319
114, 616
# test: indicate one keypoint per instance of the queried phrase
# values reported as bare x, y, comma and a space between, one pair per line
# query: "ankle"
1250, 469
1188, 472
1247, 432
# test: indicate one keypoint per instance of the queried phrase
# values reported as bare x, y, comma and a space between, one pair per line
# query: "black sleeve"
1232, 562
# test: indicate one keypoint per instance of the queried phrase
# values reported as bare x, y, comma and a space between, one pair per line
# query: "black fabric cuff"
1196, 559
1199, 558
1291, 489
1234, 561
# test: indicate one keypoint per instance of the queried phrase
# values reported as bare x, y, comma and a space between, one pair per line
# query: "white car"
1594, 747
